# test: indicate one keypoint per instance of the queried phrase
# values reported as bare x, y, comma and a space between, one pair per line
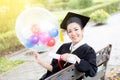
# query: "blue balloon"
53, 32
28, 44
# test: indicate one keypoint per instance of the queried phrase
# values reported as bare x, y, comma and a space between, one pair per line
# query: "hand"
42, 63
67, 55
36, 56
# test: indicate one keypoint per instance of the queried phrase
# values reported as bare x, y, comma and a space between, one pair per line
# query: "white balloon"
38, 17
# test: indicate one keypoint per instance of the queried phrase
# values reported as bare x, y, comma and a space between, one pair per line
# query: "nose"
73, 33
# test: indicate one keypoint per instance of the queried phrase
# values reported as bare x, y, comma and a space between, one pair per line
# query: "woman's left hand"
67, 55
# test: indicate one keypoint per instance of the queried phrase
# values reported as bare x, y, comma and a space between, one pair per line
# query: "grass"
6, 64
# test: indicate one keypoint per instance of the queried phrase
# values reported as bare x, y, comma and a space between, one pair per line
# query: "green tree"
9, 10
85, 3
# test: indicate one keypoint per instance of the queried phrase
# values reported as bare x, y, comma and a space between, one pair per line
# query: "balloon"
34, 39
28, 44
44, 37
37, 29
51, 42
53, 32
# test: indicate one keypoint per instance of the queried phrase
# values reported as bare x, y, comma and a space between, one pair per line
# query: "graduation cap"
73, 17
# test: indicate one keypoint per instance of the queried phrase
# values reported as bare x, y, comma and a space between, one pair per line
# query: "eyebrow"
73, 28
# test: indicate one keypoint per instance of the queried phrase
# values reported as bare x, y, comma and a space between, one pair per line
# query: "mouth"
74, 38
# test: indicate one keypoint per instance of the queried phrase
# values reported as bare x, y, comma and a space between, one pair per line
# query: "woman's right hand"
36, 55
42, 63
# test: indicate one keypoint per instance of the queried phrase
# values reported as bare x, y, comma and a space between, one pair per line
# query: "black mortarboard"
73, 17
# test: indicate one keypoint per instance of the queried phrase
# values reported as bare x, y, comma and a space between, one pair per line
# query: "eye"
76, 29
69, 31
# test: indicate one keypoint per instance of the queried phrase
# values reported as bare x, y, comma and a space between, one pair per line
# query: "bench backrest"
70, 73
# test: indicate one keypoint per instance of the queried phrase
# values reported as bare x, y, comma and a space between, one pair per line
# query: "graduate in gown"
83, 54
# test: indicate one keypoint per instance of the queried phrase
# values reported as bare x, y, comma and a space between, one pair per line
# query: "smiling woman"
80, 53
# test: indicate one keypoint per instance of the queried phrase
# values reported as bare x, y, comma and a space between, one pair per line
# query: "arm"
43, 64
88, 64
53, 67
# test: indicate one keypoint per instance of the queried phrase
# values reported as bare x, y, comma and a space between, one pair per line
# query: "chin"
75, 42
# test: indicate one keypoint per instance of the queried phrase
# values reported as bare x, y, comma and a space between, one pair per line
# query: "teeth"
74, 37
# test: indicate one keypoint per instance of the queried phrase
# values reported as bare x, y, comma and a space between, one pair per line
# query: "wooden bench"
70, 73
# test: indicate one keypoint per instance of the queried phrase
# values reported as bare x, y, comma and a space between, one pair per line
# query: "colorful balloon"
35, 29
53, 32
44, 37
51, 42
28, 44
34, 39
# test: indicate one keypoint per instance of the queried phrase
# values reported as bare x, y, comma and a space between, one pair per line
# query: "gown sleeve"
54, 62
88, 64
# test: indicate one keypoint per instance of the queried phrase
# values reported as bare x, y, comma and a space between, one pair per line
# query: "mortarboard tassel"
61, 36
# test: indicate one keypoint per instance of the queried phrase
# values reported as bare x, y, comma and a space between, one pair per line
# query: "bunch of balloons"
37, 29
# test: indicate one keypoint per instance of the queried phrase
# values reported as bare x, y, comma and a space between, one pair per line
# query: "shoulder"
64, 48
88, 48
66, 44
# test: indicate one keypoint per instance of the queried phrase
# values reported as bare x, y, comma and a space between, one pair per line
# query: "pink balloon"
51, 42
44, 37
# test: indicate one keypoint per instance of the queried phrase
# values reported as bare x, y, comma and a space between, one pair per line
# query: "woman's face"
75, 32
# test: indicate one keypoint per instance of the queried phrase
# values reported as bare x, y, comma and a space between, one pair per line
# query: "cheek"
80, 32
80, 35
69, 34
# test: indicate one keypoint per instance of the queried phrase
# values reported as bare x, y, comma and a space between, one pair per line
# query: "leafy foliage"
113, 73
9, 43
9, 10
85, 3
99, 16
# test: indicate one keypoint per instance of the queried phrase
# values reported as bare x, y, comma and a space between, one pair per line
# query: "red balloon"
51, 42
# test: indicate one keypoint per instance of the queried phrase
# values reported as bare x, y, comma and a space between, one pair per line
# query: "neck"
74, 46
74, 43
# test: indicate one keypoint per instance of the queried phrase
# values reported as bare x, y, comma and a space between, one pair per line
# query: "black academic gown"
87, 63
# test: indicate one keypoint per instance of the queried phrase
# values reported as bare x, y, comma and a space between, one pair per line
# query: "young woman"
83, 54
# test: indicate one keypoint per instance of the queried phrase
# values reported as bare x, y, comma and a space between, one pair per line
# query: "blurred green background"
10, 9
